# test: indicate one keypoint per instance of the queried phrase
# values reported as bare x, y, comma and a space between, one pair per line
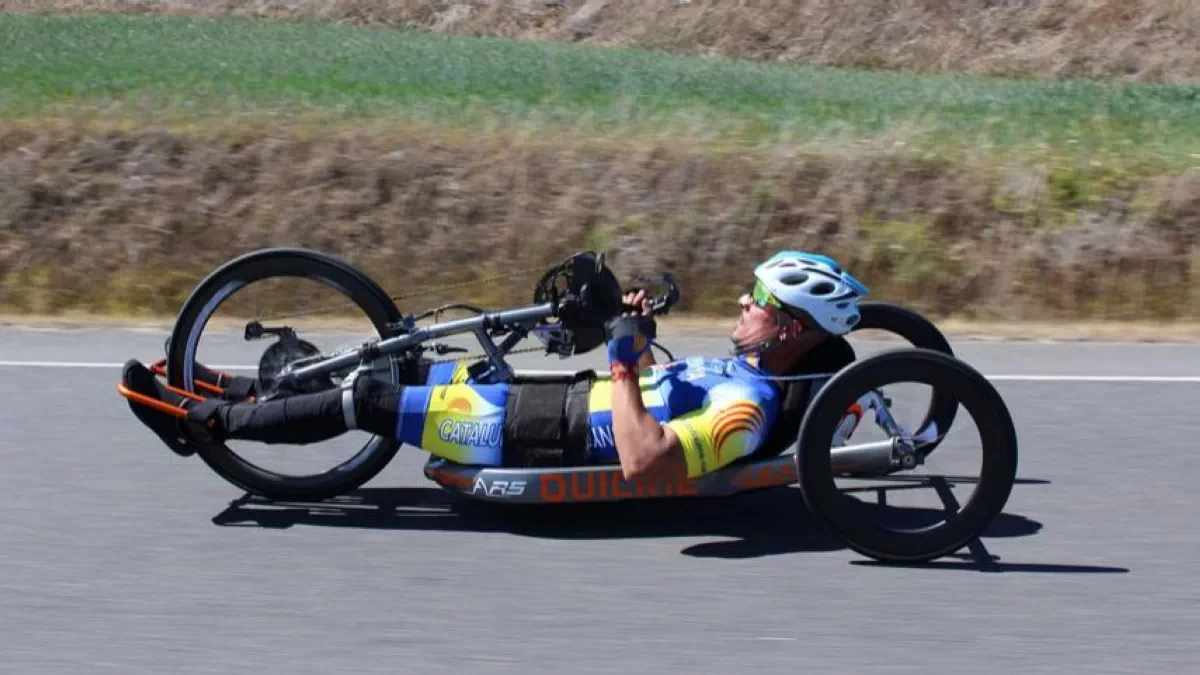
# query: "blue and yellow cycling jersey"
719, 408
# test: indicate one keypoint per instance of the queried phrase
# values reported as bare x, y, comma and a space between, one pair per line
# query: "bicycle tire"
997, 435
921, 333
217, 287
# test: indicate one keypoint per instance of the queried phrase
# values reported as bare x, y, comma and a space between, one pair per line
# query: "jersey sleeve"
732, 424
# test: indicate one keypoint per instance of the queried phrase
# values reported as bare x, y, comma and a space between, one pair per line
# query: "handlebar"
585, 268
658, 304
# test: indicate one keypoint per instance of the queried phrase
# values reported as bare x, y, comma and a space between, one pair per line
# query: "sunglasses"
763, 297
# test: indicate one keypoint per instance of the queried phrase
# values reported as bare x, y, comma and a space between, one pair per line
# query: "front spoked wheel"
261, 312
888, 529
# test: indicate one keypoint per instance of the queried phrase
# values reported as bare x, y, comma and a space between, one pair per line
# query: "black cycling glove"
629, 337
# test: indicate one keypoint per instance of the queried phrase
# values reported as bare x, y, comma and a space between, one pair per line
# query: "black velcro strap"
546, 422
533, 422
578, 450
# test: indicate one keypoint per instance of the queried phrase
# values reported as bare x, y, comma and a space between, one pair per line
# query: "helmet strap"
760, 348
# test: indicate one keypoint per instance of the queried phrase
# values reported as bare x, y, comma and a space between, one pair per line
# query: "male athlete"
659, 422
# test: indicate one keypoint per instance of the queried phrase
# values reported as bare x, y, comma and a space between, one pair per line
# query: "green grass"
217, 68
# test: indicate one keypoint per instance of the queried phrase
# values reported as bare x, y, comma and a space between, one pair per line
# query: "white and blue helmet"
815, 287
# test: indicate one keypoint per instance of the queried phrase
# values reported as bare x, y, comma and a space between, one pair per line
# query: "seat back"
829, 357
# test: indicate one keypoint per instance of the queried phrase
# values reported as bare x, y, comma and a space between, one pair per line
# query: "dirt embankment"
1152, 40
128, 221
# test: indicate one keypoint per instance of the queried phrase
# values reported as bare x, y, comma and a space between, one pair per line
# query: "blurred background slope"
143, 146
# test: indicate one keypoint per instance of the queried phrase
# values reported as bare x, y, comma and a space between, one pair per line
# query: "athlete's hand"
629, 337
645, 309
637, 299
638, 327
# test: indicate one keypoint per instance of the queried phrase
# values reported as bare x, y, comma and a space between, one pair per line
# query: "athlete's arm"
649, 452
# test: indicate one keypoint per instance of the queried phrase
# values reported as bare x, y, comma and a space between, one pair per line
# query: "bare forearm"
641, 441
648, 451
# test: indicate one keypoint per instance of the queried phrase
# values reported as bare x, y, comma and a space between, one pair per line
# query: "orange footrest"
159, 368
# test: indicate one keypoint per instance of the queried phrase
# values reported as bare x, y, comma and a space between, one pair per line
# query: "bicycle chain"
481, 355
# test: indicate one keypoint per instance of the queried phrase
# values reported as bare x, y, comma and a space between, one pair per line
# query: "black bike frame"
478, 325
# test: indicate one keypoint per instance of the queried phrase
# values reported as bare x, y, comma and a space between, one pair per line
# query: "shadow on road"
766, 522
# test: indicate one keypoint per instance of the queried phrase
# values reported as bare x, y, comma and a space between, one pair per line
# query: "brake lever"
663, 304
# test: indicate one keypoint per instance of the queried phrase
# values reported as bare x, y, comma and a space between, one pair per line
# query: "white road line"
1166, 379
90, 364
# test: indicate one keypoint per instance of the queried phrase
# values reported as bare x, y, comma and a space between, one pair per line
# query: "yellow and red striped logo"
741, 416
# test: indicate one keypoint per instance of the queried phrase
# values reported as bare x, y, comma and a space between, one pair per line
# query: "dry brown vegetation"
1155, 40
128, 221
125, 220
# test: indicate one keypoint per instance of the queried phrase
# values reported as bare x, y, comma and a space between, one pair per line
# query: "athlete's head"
796, 293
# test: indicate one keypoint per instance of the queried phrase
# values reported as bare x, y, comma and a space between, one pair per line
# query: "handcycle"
571, 302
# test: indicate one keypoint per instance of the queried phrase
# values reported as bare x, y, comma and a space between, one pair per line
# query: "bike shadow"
766, 522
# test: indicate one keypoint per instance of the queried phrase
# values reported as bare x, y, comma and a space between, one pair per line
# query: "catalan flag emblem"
739, 417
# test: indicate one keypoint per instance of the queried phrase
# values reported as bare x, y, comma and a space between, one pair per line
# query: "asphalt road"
118, 557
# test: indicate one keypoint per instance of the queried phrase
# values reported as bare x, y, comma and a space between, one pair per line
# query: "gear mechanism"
288, 350
584, 276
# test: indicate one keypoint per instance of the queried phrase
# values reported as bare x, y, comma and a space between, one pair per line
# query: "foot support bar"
159, 369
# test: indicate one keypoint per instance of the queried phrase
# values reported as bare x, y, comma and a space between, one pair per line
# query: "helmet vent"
822, 288
794, 279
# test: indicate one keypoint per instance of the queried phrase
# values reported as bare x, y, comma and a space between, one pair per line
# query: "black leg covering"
307, 418
377, 406
301, 418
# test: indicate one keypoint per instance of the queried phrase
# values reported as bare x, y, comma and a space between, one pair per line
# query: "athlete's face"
755, 322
